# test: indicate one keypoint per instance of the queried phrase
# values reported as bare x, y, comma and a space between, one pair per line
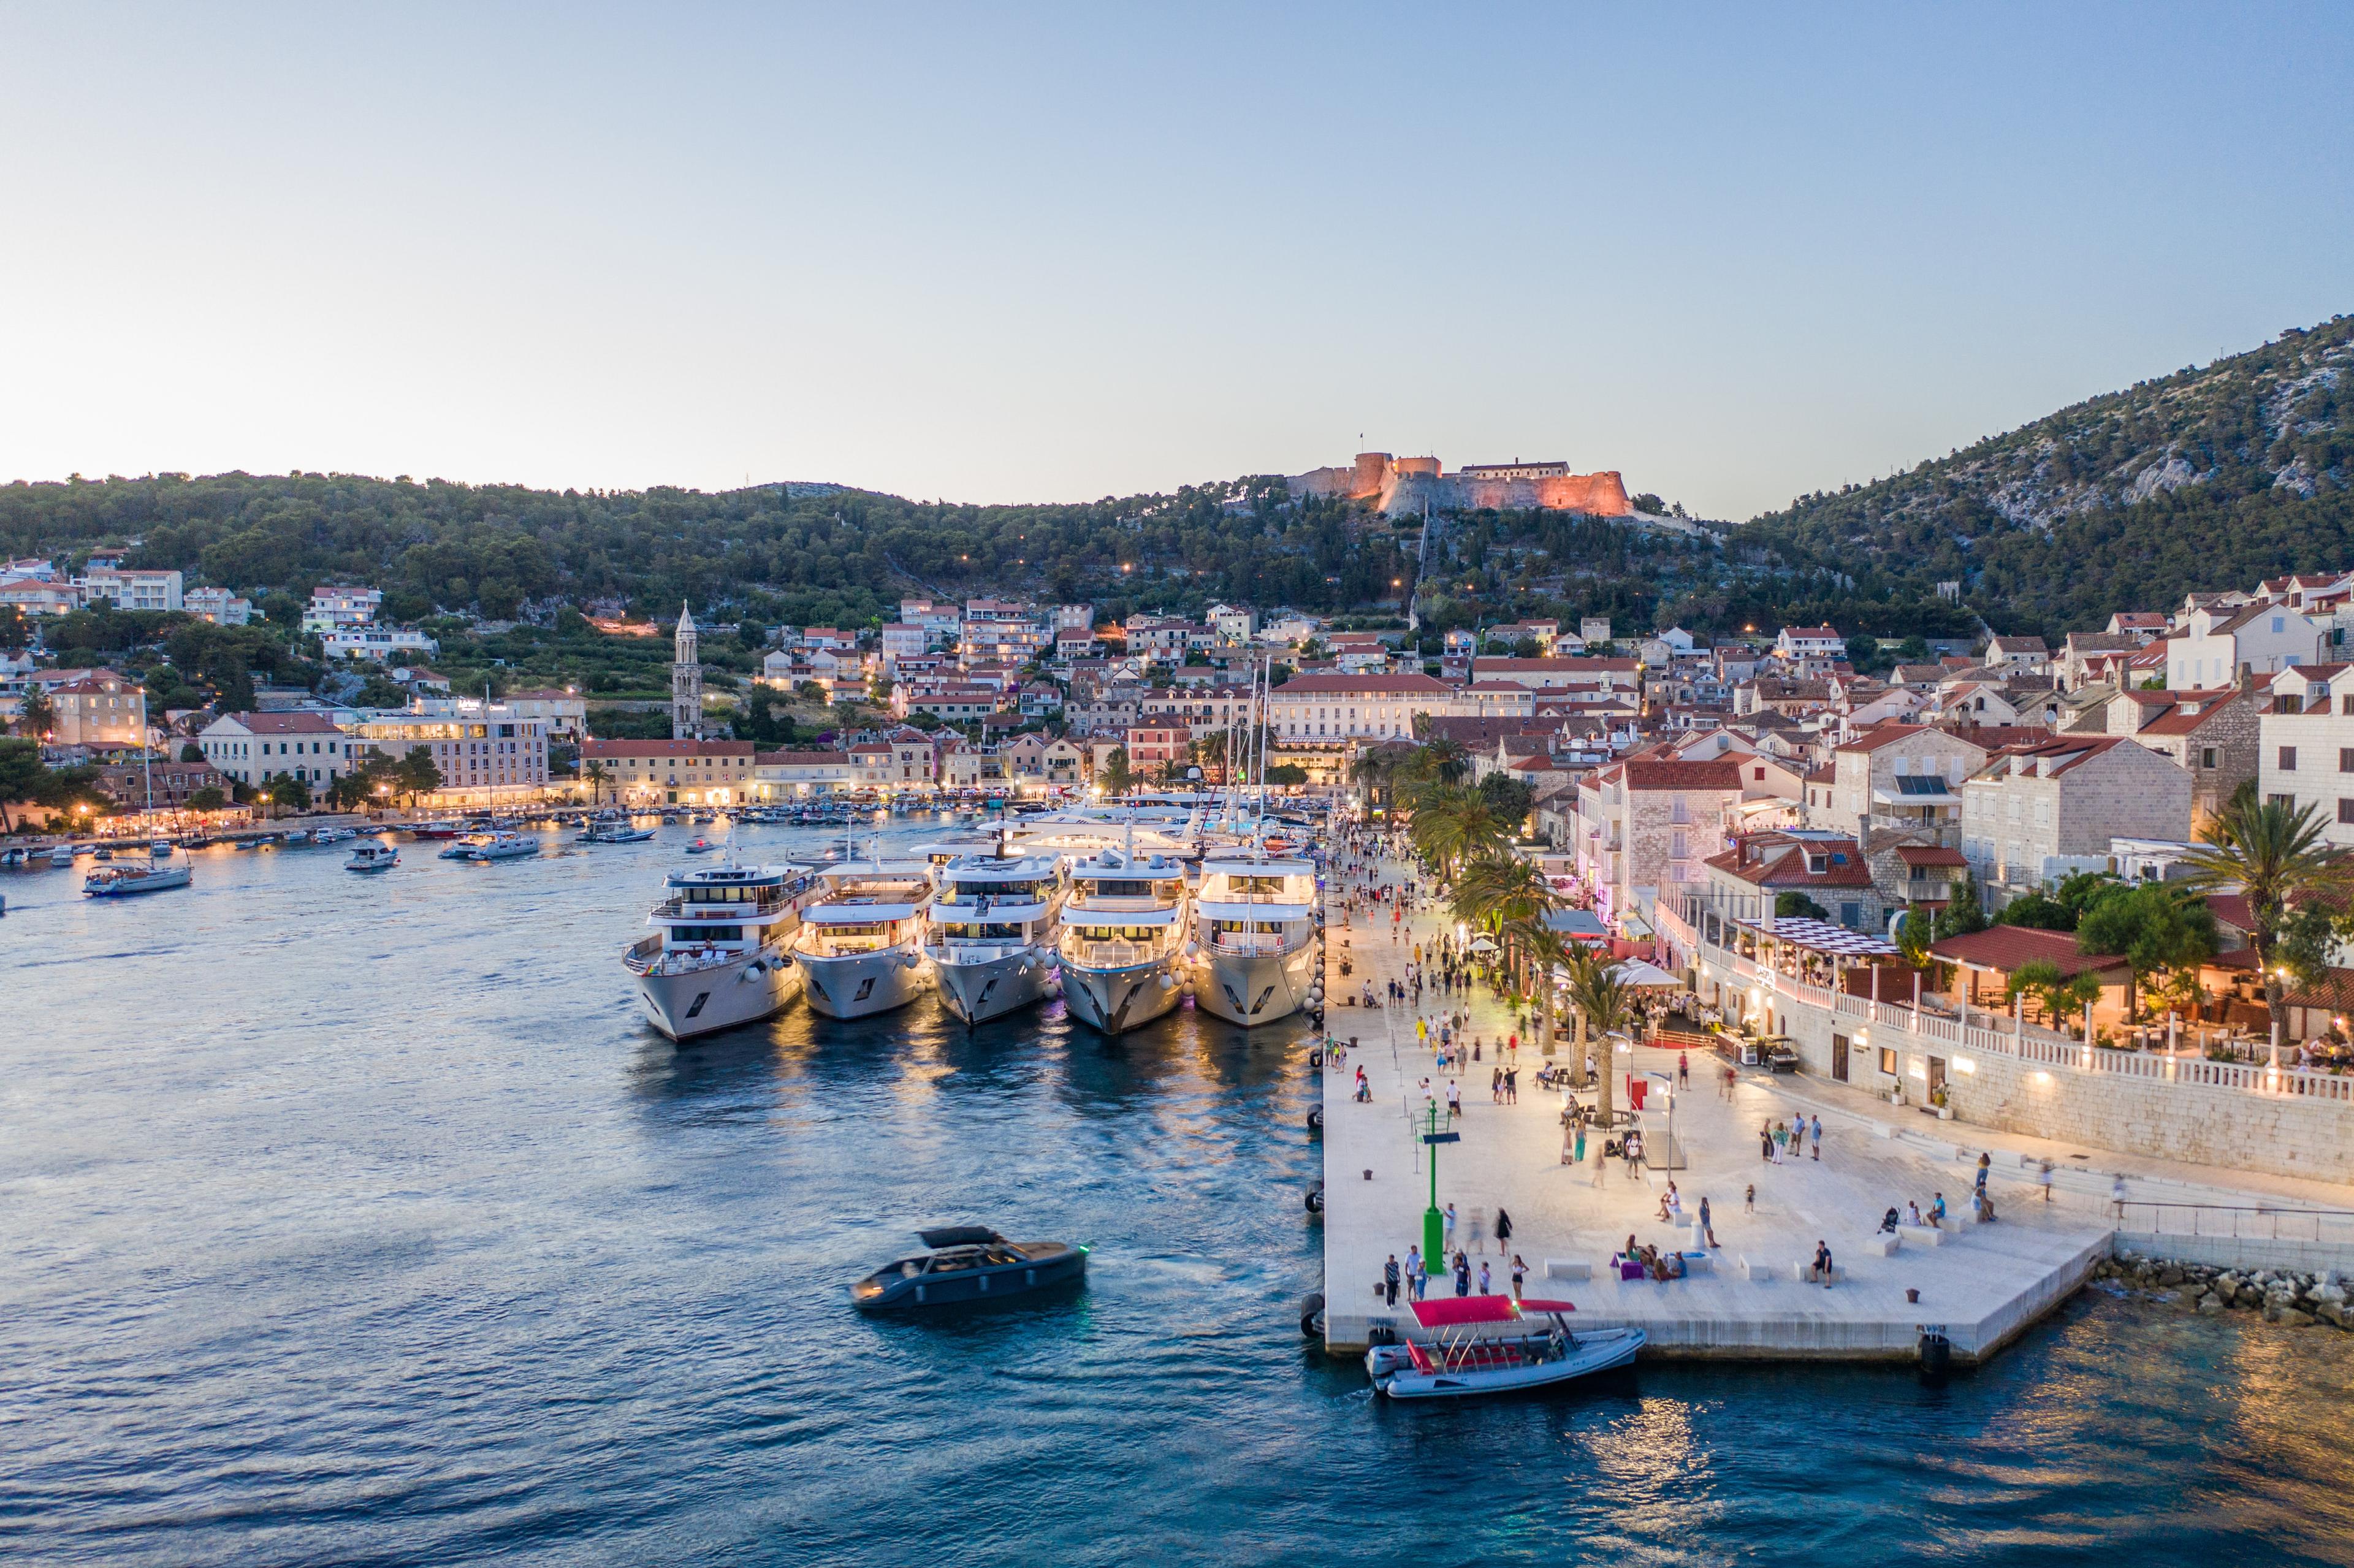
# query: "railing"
1111, 955
678, 908
2256, 1222
2033, 1043
1257, 943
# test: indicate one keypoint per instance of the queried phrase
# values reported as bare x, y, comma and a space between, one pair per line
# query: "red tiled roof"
1363, 685
1504, 666
789, 758
2010, 947
298, 722
1724, 773
1929, 854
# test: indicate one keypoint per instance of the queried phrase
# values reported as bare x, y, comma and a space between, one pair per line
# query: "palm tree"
2274, 855
1446, 760
1604, 1004
596, 773
1506, 895
1452, 827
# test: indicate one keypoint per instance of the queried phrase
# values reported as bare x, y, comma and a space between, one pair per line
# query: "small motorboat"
435, 830
702, 846
1460, 1361
491, 846
161, 849
373, 857
62, 856
968, 1264
617, 834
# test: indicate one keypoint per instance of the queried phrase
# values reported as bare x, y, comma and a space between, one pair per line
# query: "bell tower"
685, 682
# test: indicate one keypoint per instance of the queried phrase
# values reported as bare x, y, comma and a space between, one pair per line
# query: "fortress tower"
685, 682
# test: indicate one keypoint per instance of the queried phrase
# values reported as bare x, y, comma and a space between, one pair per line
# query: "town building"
220, 606
795, 775
1899, 776
128, 784
98, 708
332, 608
2038, 811
2306, 746
383, 644
487, 754
2219, 647
252, 749
682, 772
1648, 827
129, 588
1328, 709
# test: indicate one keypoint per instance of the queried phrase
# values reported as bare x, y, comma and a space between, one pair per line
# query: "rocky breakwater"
2284, 1295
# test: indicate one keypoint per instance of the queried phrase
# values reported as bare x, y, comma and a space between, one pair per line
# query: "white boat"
500, 845
861, 943
1256, 954
63, 854
373, 857
1458, 1361
149, 876
333, 835
720, 955
620, 832
1122, 952
702, 846
994, 928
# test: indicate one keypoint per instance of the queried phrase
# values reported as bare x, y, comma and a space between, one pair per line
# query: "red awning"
1450, 1311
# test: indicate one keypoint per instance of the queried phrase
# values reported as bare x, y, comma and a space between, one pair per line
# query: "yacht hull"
1253, 989
864, 984
726, 996
992, 987
1116, 1001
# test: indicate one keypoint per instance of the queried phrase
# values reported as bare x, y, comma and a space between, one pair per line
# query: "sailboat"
163, 869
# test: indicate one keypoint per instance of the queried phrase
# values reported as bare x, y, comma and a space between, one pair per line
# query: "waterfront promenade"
1981, 1285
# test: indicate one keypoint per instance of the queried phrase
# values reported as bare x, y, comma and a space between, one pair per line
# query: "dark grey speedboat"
968, 1264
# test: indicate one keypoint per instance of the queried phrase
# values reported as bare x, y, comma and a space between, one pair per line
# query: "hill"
2208, 478
799, 553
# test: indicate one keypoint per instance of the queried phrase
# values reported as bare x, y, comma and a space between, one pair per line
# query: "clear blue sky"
997, 253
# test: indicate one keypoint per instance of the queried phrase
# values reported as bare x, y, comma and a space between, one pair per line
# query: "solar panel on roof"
1921, 784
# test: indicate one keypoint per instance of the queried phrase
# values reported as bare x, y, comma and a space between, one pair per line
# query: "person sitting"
1888, 1223
1912, 1213
1822, 1264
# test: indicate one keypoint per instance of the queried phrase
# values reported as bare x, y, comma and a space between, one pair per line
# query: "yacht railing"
1255, 943
1114, 955
677, 909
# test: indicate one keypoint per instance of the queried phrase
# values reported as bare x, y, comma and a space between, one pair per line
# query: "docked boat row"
990, 927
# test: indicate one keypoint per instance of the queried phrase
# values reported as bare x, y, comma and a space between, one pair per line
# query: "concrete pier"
1981, 1285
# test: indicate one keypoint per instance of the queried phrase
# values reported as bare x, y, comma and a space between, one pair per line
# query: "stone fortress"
1405, 486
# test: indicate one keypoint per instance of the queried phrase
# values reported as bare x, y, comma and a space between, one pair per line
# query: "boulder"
2332, 1313
2211, 1304
2170, 1275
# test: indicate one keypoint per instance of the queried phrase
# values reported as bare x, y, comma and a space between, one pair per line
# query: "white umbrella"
1482, 945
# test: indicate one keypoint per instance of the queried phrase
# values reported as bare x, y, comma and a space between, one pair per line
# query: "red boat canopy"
1448, 1311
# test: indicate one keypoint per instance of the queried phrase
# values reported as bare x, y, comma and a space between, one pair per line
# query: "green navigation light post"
1434, 1223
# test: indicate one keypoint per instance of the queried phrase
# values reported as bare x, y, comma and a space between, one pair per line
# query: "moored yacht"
1123, 940
499, 845
720, 955
861, 943
992, 944
1255, 952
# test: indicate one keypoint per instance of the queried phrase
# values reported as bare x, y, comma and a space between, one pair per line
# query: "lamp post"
1434, 1223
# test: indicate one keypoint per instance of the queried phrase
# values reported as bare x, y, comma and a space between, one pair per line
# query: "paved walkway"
1982, 1283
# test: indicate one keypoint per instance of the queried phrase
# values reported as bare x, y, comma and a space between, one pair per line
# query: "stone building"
2212, 735
2038, 811
685, 682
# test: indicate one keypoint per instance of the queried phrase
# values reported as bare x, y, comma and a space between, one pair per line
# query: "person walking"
1447, 1231
1749, 1199
1817, 1133
1390, 1279
1454, 1098
1483, 1277
2043, 1179
1503, 1229
2117, 1196
1683, 1069
1462, 1275
1765, 1141
1412, 1268
1512, 1085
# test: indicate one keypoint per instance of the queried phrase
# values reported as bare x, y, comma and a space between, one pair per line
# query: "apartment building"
486, 754
255, 747
686, 772
2040, 811
2306, 746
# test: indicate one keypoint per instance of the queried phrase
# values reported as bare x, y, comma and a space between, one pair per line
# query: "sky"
1001, 253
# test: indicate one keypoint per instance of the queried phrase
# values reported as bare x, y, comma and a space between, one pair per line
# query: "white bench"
1752, 1270
1699, 1262
1804, 1267
1882, 1243
1568, 1269
1925, 1236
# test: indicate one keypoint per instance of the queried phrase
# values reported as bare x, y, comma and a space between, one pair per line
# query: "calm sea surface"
359, 1220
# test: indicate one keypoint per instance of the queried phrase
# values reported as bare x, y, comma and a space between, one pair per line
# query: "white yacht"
1256, 954
1121, 951
720, 955
992, 944
861, 943
499, 845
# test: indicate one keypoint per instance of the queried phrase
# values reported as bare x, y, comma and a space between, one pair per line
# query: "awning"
1448, 1311
1482, 945
1643, 976
1822, 936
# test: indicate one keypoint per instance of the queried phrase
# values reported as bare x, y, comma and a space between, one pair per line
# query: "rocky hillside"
2204, 478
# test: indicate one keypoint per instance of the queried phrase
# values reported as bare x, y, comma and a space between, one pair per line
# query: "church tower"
685, 683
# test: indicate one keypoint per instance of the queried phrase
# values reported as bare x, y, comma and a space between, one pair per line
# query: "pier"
1749, 1297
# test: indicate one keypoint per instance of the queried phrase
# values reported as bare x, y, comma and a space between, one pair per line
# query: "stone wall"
1403, 487
2230, 1129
